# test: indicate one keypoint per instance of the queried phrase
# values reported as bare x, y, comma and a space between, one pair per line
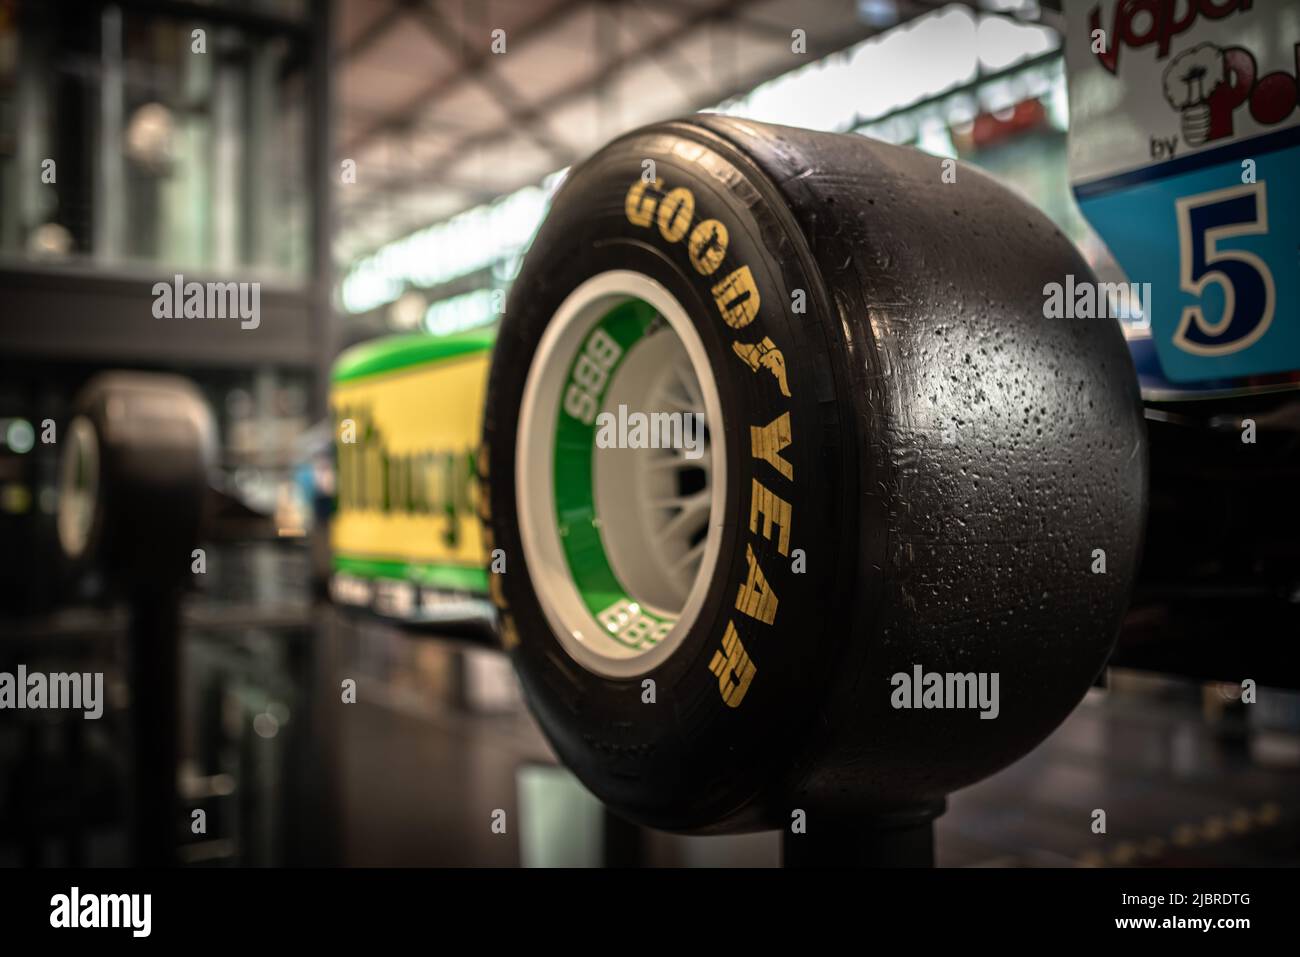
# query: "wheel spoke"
694, 515
690, 560
675, 459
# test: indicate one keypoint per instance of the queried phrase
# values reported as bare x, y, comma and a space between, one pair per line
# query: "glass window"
129, 139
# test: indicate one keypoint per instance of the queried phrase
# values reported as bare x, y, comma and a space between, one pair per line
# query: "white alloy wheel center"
620, 473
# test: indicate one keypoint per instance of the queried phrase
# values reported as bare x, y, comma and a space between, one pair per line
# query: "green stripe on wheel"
575, 500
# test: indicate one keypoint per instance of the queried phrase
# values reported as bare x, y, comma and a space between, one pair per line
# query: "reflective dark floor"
1185, 778
438, 744
438, 763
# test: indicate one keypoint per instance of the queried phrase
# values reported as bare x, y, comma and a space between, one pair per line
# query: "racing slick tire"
900, 467
134, 477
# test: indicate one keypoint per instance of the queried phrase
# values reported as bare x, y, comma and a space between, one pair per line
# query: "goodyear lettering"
764, 355
767, 441
774, 510
708, 246
509, 634
675, 213
641, 201
736, 296
755, 598
733, 668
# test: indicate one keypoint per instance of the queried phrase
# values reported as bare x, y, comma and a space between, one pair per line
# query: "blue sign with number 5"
1185, 157
1223, 260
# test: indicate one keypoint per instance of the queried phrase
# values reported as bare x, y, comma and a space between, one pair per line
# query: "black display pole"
153, 664
133, 494
900, 838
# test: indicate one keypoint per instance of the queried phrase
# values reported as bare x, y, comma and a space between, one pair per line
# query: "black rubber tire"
924, 322
155, 443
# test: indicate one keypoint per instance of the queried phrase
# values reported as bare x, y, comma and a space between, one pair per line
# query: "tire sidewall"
689, 758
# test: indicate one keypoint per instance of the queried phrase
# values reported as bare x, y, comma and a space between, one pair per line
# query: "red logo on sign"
1139, 23
1207, 84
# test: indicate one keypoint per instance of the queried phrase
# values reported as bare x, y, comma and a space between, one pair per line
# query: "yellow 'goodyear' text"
672, 214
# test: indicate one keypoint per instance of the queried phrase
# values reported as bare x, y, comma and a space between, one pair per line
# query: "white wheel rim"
658, 540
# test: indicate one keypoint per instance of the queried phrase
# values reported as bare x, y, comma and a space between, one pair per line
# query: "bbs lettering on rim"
670, 214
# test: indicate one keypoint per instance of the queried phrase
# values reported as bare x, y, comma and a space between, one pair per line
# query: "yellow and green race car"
406, 540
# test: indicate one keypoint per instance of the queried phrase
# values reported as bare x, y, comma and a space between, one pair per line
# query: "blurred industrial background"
381, 166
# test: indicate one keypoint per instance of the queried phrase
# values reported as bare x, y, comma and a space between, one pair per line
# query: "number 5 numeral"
1249, 296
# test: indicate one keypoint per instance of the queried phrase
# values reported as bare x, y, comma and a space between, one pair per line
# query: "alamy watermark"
934, 689
212, 300
75, 909
59, 691
651, 430
1097, 300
